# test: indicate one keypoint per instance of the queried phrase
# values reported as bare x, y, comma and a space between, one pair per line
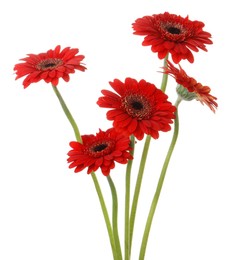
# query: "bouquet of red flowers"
138, 109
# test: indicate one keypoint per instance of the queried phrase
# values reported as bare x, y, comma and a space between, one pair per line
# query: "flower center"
173, 30
137, 106
101, 148
49, 64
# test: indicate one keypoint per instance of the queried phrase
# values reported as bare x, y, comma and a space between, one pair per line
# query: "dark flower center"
99, 147
173, 30
49, 64
137, 106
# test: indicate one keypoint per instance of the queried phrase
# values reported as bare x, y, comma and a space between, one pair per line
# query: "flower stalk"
115, 217
112, 238
137, 187
165, 75
159, 185
106, 217
127, 202
68, 114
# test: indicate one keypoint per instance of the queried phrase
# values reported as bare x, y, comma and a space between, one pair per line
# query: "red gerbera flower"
170, 33
100, 151
202, 93
139, 108
49, 66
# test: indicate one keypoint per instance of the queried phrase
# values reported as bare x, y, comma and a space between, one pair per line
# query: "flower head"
49, 66
170, 33
138, 108
202, 93
100, 151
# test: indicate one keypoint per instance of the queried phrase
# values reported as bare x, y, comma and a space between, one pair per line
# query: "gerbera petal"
120, 124
117, 85
52, 73
109, 99
114, 113
54, 81
65, 77
169, 45
132, 126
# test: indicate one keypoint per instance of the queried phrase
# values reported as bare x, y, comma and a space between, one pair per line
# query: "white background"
47, 211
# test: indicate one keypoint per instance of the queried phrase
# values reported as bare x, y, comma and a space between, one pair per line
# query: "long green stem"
164, 76
127, 202
115, 217
68, 114
159, 186
106, 217
138, 186
95, 181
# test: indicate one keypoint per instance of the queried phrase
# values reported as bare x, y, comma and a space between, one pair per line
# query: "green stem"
127, 202
159, 185
115, 217
138, 186
96, 183
68, 114
106, 217
164, 76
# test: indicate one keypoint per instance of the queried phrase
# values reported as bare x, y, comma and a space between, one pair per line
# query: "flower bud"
185, 94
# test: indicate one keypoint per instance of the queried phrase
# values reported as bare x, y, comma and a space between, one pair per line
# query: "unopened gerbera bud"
189, 89
184, 93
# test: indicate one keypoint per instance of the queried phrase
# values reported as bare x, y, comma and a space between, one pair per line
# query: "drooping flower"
49, 66
170, 33
202, 93
138, 108
100, 151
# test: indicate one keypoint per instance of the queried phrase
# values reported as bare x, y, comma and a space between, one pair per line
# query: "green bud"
185, 94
